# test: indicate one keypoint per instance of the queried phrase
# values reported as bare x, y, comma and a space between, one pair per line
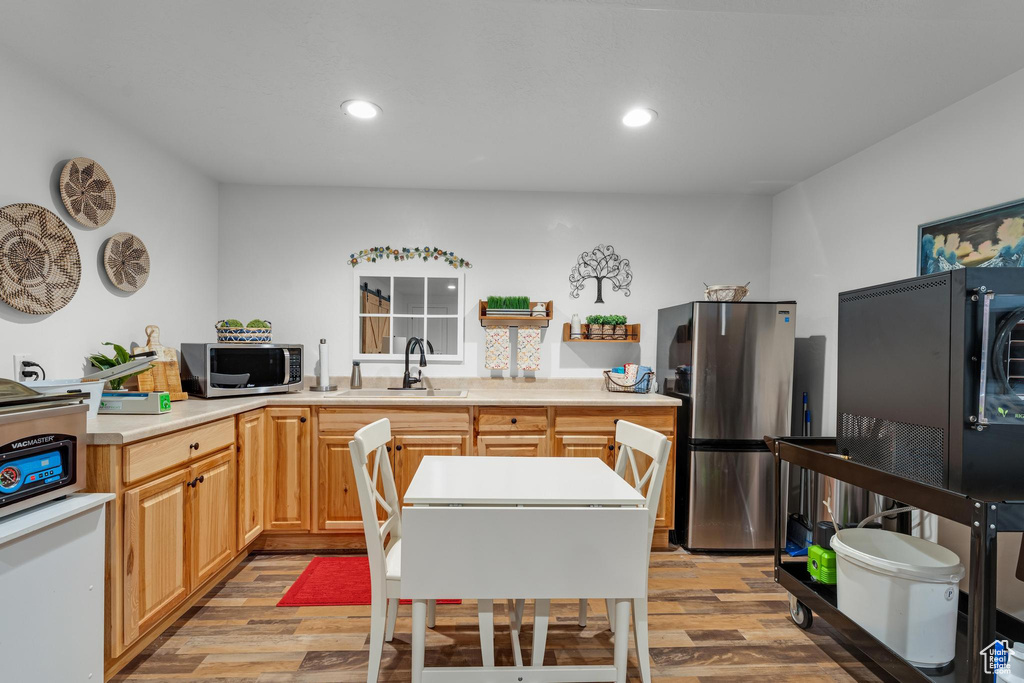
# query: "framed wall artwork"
988, 238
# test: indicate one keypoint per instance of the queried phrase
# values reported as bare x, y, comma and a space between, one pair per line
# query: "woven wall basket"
126, 261
39, 263
87, 192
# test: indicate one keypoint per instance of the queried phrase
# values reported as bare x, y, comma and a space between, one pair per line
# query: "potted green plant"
507, 306
595, 326
120, 357
619, 331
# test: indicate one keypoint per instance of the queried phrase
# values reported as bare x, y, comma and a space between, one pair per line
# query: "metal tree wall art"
601, 263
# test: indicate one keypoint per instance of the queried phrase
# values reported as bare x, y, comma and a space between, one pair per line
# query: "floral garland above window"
374, 254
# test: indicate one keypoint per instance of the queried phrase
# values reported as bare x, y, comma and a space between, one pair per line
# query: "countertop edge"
139, 427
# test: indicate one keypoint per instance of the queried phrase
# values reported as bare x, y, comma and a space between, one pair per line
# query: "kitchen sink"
403, 393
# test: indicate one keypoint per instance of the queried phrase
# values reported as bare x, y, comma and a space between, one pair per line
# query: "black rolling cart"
979, 622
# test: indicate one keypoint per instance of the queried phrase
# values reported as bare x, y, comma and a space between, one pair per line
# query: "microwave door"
248, 368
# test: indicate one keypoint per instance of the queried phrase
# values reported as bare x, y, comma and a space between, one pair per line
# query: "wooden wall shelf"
517, 320
632, 335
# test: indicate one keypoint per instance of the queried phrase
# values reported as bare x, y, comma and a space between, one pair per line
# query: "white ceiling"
752, 95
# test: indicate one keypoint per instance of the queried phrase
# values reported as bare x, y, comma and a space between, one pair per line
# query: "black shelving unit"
979, 622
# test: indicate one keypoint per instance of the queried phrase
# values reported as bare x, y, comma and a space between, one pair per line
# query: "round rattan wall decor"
39, 263
87, 192
126, 261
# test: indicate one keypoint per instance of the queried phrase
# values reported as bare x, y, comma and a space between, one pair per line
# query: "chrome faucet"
408, 380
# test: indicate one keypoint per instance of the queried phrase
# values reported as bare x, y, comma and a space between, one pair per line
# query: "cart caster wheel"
802, 615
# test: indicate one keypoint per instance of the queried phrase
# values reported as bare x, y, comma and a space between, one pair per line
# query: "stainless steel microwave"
216, 370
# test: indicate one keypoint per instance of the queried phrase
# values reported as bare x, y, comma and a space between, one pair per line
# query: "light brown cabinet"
288, 469
337, 500
213, 537
178, 531
251, 472
520, 445
587, 446
409, 451
156, 576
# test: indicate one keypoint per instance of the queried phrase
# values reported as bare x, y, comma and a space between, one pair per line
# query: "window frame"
421, 271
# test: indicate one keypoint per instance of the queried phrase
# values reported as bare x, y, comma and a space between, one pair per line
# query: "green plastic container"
821, 565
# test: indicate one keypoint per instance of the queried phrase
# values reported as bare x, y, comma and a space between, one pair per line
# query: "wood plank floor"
712, 618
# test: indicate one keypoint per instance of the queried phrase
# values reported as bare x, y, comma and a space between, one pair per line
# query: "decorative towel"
497, 353
528, 356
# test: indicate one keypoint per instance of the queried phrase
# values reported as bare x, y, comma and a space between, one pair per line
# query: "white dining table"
502, 528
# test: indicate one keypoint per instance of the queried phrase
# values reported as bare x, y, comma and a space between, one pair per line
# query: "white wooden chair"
369, 451
632, 440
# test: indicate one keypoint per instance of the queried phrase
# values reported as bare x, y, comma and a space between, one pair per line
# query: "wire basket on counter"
644, 383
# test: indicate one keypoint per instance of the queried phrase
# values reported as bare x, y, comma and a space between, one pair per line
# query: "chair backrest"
372, 466
633, 440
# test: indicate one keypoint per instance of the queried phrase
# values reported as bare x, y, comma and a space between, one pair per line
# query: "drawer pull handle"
302, 420
389, 449
611, 447
194, 446
615, 421
514, 420
202, 478
398, 448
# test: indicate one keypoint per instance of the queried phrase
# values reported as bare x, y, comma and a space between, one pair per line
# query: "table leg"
419, 635
621, 638
541, 608
485, 613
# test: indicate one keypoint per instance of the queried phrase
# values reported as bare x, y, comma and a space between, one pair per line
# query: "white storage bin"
902, 590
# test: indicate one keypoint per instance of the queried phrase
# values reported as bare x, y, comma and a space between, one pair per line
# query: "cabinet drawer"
349, 421
498, 420
145, 458
602, 421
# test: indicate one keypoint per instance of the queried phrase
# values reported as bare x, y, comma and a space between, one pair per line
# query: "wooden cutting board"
165, 374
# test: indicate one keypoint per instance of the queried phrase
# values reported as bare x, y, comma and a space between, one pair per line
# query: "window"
393, 308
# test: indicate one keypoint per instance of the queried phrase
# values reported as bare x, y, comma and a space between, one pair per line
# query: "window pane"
375, 335
443, 335
443, 295
404, 329
408, 296
374, 295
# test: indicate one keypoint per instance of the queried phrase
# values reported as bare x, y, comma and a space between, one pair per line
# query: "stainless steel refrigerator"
732, 366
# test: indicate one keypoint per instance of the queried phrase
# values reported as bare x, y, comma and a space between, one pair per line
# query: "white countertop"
47, 514
120, 429
500, 480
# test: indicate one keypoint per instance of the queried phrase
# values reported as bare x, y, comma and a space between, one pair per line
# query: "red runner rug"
331, 581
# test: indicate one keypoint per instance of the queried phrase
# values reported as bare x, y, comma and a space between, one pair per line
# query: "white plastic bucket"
902, 590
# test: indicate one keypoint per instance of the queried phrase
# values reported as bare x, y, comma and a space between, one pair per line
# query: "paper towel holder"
323, 362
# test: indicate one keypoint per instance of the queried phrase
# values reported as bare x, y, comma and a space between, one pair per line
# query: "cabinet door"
519, 445
251, 468
409, 451
155, 531
288, 469
213, 529
586, 446
337, 499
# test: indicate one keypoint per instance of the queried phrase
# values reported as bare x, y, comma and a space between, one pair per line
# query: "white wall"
168, 204
291, 244
855, 224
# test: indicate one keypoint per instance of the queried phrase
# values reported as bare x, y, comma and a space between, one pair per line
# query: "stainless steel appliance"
42, 446
931, 380
732, 366
215, 370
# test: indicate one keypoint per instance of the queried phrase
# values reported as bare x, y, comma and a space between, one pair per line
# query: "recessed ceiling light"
451, 286
635, 118
361, 109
